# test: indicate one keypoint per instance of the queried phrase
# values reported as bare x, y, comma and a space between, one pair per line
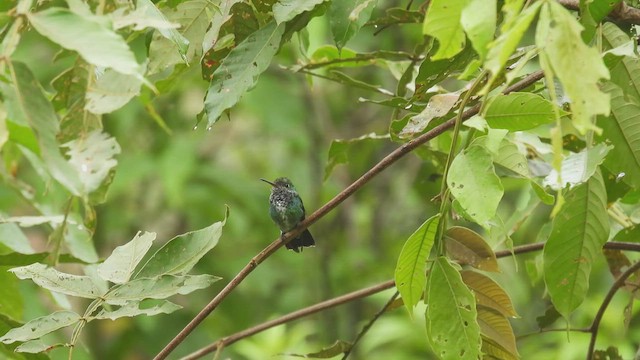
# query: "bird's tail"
304, 240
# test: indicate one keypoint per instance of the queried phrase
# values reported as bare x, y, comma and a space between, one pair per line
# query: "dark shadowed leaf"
468, 247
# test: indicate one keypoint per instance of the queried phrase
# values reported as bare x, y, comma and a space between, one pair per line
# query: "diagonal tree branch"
375, 170
362, 293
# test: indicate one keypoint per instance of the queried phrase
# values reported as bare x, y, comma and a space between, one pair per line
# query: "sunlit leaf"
347, 17
157, 288
579, 231
182, 252
558, 38
240, 70
134, 308
41, 326
438, 106
410, 274
54, 280
286, 10
97, 44
92, 158
478, 19
474, 183
488, 293
468, 247
120, 265
577, 168
443, 22
111, 91
452, 327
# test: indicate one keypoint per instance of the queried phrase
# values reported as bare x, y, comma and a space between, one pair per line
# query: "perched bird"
286, 210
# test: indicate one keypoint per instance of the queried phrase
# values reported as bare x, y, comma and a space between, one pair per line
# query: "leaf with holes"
488, 293
41, 326
452, 328
54, 280
240, 70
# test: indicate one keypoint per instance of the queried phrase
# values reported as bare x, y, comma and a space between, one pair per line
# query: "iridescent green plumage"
287, 210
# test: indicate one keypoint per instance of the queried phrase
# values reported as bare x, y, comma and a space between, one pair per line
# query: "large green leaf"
519, 111
452, 327
410, 274
622, 130
443, 22
194, 16
97, 44
624, 67
479, 22
54, 280
562, 52
11, 302
120, 265
472, 180
347, 17
240, 70
182, 252
285, 10
41, 326
27, 105
511, 32
579, 231
577, 167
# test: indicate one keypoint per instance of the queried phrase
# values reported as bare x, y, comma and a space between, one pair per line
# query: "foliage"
523, 117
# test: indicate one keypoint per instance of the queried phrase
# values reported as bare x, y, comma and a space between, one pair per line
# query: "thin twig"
362, 293
605, 303
542, 331
370, 324
350, 190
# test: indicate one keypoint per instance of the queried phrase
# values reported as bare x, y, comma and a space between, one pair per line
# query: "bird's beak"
268, 182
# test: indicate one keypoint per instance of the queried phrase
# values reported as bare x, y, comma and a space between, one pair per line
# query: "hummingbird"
287, 211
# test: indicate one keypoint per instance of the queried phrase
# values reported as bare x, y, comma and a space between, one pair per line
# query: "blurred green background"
178, 182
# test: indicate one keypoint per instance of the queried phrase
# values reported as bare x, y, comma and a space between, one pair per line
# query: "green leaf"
579, 231
120, 265
111, 91
92, 158
54, 280
468, 247
347, 17
285, 10
478, 19
11, 302
507, 156
96, 44
12, 237
452, 327
520, 111
432, 72
622, 130
133, 308
443, 23
473, 182
182, 252
599, 9
410, 274
157, 288
562, 52
625, 66
41, 326
577, 167
339, 151
511, 33
438, 106
194, 16
27, 105
240, 70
